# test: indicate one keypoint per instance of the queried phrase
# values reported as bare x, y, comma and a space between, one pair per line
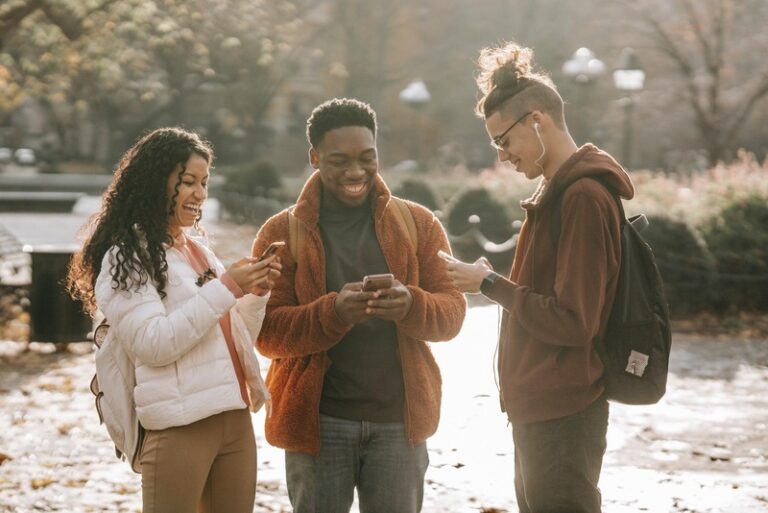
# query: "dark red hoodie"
557, 299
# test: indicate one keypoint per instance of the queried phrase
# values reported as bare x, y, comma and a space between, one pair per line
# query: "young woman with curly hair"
186, 321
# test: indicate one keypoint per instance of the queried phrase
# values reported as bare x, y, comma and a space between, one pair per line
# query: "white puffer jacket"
184, 372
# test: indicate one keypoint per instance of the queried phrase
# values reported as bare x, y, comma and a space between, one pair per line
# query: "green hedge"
419, 191
495, 224
738, 239
687, 267
256, 179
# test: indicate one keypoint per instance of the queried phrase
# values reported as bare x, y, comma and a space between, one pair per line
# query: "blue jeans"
558, 462
375, 457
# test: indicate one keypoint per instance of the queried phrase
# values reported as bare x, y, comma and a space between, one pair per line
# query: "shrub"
495, 224
259, 179
251, 193
738, 240
686, 265
418, 191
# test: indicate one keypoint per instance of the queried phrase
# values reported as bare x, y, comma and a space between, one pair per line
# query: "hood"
587, 161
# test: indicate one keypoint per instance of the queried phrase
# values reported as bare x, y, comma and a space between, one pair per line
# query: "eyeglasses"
496, 142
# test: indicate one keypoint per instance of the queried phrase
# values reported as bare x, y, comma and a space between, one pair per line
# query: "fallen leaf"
66, 386
42, 482
124, 490
4, 458
65, 428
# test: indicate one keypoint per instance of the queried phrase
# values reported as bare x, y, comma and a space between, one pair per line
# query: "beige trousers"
208, 466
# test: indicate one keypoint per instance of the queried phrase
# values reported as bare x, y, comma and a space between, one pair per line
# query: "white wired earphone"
543, 148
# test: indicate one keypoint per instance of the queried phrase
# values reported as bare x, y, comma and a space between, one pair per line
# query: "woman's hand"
469, 277
254, 275
270, 275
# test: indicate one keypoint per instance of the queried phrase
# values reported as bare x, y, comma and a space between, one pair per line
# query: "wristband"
488, 281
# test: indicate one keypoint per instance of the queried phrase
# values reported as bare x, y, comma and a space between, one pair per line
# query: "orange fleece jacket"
556, 303
301, 324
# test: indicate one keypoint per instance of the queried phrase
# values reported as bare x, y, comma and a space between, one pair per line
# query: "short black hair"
338, 113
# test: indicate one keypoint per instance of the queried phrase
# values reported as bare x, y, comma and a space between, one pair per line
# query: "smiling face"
185, 203
348, 162
520, 146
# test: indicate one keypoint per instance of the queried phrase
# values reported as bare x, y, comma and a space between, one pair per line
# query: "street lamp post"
416, 96
629, 77
583, 68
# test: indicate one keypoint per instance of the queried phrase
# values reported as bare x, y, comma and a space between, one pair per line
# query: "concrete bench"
27, 201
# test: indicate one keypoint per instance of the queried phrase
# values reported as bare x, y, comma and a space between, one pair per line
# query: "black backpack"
638, 338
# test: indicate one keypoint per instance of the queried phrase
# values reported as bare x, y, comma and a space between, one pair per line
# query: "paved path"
702, 449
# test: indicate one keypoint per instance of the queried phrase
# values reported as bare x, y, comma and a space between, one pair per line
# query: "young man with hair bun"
558, 296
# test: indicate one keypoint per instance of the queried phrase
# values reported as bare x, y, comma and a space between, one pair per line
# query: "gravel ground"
703, 448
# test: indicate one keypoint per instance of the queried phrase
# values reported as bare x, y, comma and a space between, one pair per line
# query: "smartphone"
374, 282
445, 256
272, 249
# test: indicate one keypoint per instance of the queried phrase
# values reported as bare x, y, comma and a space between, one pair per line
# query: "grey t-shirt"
365, 380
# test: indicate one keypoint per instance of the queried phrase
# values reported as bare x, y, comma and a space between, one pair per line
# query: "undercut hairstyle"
338, 113
134, 216
510, 85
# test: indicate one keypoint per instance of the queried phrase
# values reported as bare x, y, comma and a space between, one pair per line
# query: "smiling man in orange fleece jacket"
559, 295
355, 389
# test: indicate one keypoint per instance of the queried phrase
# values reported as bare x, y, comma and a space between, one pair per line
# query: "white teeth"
355, 188
192, 208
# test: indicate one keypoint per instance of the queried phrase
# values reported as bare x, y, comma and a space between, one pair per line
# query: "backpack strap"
555, 226
297, 231
296, 234
405, 218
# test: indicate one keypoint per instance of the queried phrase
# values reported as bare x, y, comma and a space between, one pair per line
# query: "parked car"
5, 155
25, 157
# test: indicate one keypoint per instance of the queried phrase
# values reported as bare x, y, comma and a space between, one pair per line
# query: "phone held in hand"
445, 256
272, 249
374, 282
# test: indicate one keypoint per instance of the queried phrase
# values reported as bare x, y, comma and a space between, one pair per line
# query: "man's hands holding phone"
385, 298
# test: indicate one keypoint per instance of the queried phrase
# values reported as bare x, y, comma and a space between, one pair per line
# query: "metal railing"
473, 233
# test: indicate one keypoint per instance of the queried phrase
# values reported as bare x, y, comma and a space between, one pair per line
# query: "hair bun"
514, 63
504, 67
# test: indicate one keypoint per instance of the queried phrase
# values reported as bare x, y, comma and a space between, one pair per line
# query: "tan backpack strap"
405, 217
295, 236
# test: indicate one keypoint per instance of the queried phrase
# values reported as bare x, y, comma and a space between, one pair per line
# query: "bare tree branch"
737, 120
701, 36
668, 46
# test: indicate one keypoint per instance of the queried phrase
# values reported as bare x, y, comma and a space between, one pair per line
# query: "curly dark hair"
506, 72
337, 113
134, 216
